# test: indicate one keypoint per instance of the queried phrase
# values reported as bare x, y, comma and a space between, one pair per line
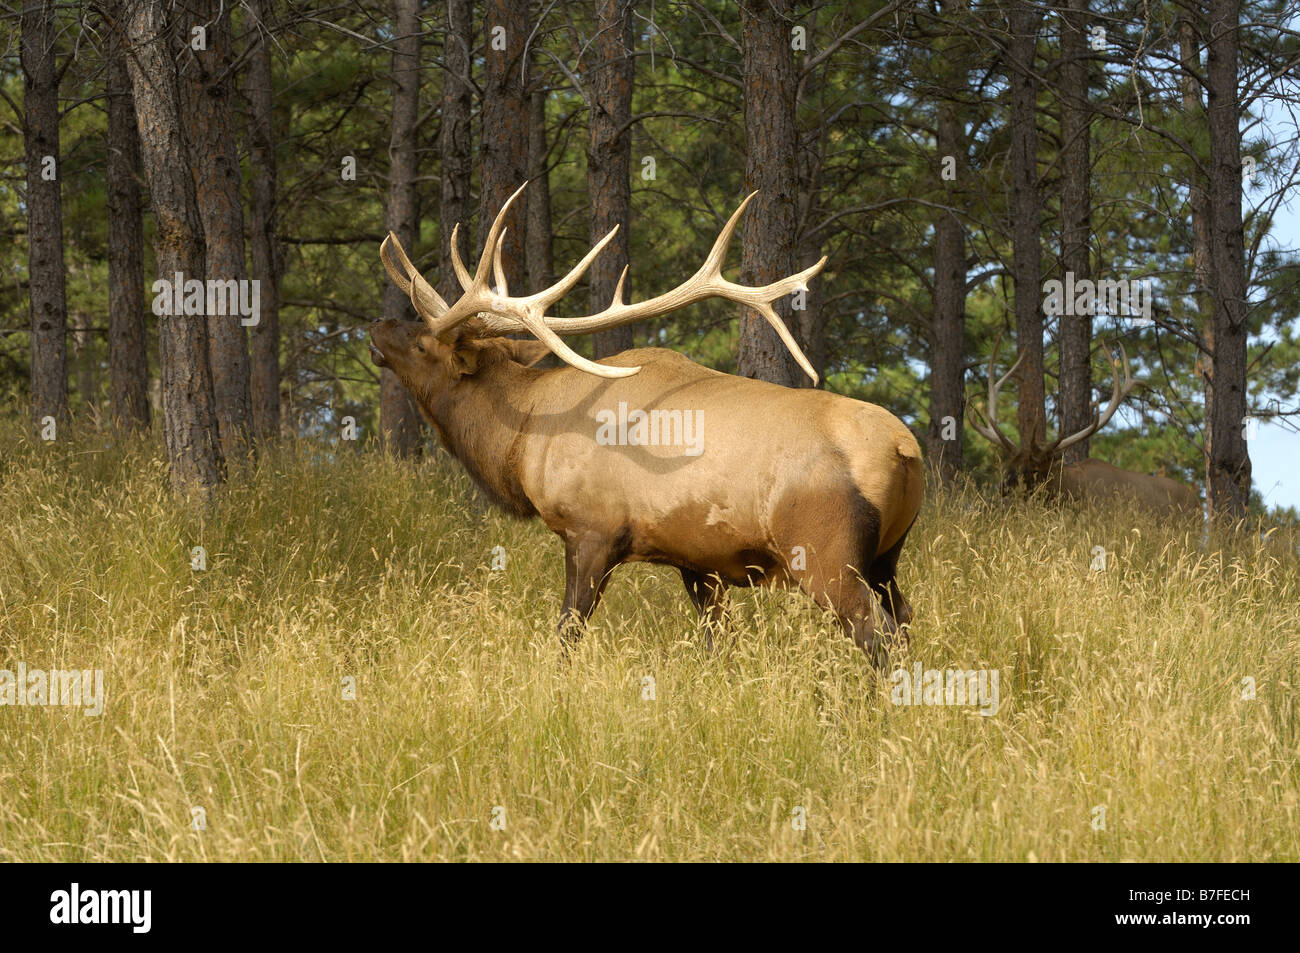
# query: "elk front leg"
709, 595
588, 561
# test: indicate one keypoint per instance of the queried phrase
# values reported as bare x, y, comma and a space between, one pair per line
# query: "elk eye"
420, 348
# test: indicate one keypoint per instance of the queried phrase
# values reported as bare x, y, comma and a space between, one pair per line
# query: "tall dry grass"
1120, 689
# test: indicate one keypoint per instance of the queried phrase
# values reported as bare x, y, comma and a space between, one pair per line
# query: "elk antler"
1118, 393
989, 428
503, 314
986, 424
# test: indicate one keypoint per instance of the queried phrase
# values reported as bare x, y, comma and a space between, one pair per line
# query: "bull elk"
1031, 465
793, 487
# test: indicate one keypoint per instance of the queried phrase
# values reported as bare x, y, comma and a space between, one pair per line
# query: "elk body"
1032, 465
651, 457
1098, 480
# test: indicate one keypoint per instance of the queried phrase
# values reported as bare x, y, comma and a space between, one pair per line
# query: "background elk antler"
502, 314
1031, 464
985, 420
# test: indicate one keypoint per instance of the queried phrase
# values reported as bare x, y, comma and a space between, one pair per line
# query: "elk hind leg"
709, 595
882, 577
834, 583
855, 606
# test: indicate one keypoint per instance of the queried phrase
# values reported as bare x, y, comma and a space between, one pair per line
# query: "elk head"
1032, 464
449, 345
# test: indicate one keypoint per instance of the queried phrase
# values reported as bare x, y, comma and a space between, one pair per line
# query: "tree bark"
609, 162
189, 417
1229, 489
455, 143
768, 248
209, 91
1026, 207
128, 361
1076, 224
505, 132
49, 309
812, 319
399, 420
810, 160
948, 322
1198, 200
264, 337
538, 247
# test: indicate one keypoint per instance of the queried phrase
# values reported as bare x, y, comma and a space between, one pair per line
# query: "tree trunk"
1076, 224
49, 314
538, 248
812, 319
1026, 208
768, 248
264, 337
1229, 489
455, 144
128, 361
609, 162
399, 420
946, 435
189, 417
1194, 109
505, 132
215, 155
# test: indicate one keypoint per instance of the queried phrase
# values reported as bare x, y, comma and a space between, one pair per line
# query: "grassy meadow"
470, 737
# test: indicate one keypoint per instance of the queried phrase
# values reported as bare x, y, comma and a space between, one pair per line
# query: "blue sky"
1275, 448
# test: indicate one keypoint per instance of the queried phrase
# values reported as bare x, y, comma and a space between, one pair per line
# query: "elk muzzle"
379, 336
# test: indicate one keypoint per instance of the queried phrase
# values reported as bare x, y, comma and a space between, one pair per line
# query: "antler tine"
458, 266
499, 324
618, 288
1119, 391
494, 236
986, 425
427, 302
1130, 381
398, 276
498, 271
711, 270
718, 253
550, 295
760, 299
995, 388
476, 296
783, 332
561, 350
989, 428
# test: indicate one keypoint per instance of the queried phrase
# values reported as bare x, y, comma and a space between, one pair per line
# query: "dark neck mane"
481, 421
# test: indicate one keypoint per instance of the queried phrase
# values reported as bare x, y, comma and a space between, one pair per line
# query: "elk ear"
526, 352
460, 355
